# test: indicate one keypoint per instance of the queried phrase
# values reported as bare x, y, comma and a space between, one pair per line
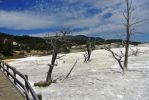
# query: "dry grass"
42, 84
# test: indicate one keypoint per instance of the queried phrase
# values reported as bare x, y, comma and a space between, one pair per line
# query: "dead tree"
129, 28
56, 43
129, 31
90, 46
89, 49
127, 16
85, 56
118, 56
135, 51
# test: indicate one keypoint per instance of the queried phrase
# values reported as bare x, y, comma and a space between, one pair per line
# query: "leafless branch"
59, 57
135, 51
124, 16
117, 57
71, 69
137, 22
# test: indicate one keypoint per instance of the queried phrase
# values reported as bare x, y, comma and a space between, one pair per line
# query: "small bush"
42, 84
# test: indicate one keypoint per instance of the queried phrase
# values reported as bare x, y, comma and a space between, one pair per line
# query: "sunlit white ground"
100, 79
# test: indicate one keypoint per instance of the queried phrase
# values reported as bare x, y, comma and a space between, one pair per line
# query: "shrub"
42, 84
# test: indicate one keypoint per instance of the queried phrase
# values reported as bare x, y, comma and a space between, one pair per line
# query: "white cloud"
23, 20
43, 34
75, 13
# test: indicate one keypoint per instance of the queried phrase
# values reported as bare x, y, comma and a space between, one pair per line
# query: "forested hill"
38, 43
10, 43
24, 41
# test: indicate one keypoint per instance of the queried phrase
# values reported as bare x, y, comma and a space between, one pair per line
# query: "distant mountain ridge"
32, 41
83, 37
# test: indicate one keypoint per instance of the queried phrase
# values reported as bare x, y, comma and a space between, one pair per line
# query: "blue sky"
101, 18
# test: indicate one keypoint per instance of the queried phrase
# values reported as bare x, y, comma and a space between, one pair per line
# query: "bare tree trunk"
126, 52
120, 64
89, 52
49, 74
127, 34
56, 43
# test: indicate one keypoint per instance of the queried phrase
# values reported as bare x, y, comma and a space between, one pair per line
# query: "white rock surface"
100, 79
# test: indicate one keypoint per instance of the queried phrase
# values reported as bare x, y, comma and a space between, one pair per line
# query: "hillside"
11, 43
28, 43
25, 41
